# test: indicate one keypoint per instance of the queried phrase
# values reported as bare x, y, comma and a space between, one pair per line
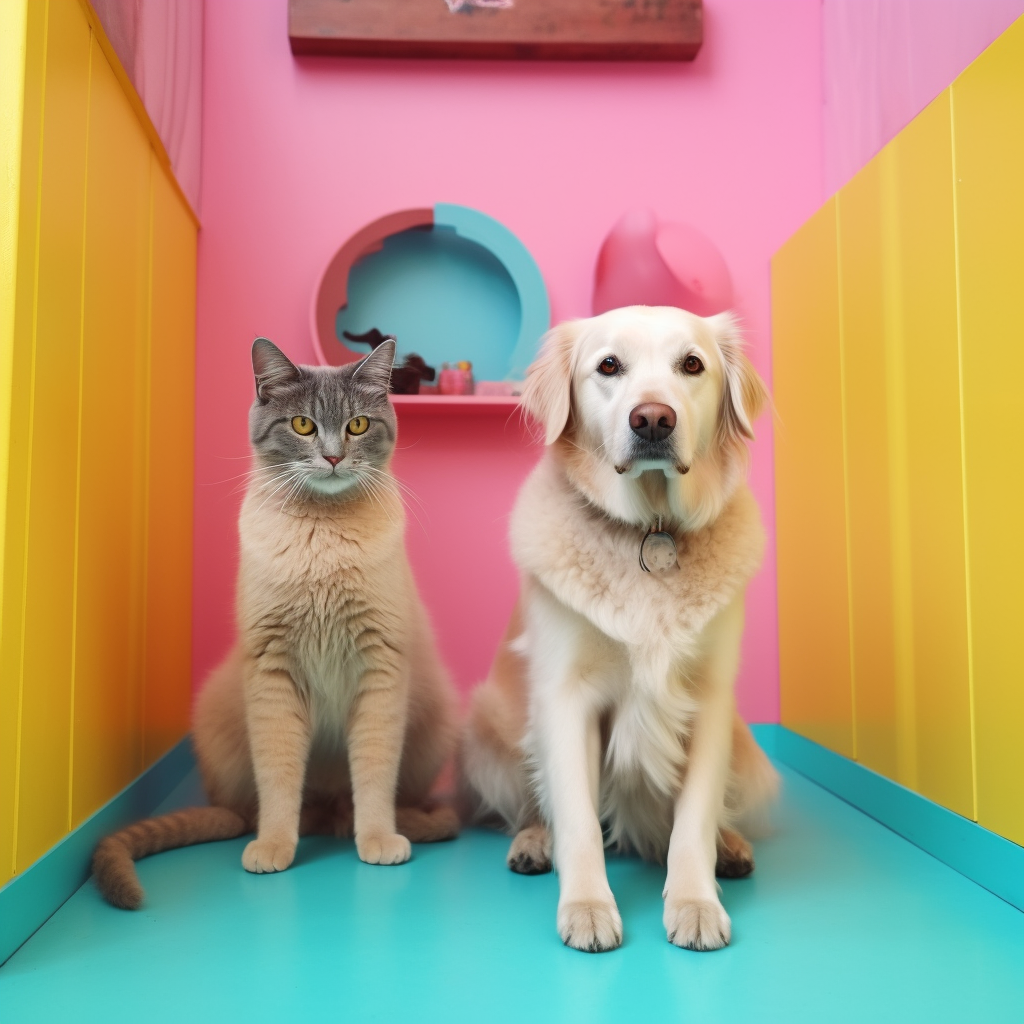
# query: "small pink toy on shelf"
456, 380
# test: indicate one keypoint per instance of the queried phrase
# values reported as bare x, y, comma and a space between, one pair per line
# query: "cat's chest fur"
313, 588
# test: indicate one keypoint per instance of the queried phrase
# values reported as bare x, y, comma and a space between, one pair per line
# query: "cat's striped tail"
113, 859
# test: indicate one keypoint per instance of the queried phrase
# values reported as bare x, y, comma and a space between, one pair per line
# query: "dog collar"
658, 550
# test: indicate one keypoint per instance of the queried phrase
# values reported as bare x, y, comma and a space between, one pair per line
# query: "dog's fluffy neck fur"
686, 503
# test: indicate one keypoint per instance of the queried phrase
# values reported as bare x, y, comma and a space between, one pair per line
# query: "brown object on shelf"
373, 337
405, 379
524, 30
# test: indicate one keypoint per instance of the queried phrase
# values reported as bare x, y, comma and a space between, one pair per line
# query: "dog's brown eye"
692, 365
609, 367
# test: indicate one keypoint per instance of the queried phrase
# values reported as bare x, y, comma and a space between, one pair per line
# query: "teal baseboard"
28, 899
984, 857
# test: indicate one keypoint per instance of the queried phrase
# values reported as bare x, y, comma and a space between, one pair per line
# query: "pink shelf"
457, 403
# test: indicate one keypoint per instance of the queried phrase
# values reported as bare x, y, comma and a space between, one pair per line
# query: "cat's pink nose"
333, 459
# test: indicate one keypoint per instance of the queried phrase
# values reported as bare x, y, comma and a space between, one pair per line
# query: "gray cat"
333, 705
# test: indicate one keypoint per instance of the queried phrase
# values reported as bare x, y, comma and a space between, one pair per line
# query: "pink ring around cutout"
331, 292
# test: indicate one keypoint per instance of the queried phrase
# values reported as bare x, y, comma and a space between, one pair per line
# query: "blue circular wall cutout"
455, 285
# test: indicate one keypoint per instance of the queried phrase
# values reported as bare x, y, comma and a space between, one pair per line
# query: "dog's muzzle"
652, 448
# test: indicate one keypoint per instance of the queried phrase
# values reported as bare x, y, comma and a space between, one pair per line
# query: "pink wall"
886, 60
298, 154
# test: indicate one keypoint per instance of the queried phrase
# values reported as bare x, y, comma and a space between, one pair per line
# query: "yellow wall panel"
97, 251
930, 265
44, 789
905, 499
988, 132
932, 534
814, 647
107, 750
22, 52
172, 415
866, 306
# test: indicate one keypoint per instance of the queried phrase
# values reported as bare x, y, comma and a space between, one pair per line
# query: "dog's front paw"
697, 924
590, 925
383, 848
263, 856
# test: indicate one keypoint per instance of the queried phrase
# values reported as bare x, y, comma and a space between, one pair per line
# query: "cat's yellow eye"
303, 425
359, 425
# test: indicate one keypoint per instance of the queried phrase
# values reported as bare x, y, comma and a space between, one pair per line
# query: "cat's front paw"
263, 856
383, 848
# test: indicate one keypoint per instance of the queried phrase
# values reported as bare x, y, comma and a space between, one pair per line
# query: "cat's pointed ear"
271, 368
374, 370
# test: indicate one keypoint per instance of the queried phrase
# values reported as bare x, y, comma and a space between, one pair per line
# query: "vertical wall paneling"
905, 500
988, 132
932, 535
107, 712
814, 643
867, 276
872, 374
27, 23
172, 415
53, 452
97, 366
928, 332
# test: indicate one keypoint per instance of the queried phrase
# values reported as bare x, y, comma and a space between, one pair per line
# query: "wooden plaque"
498, 29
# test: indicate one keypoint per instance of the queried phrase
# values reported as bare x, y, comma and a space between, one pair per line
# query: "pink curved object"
645, 262
331, 291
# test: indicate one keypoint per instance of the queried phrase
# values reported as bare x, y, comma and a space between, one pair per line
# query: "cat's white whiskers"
279, 481
268, 497
401, 491
245, 485
382, 475
373, 491
293, 492
273, 472
381, 488
375, 499
290, 478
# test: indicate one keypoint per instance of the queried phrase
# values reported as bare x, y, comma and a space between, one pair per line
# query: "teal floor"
842, 921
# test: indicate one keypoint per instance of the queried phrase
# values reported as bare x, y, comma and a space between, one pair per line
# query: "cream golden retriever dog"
608, 716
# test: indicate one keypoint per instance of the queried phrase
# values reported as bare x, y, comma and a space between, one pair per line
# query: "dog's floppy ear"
547, 394
745, 394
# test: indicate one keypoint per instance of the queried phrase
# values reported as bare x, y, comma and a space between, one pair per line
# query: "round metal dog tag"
658, 552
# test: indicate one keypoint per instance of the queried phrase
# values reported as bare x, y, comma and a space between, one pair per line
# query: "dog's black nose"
652, 422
